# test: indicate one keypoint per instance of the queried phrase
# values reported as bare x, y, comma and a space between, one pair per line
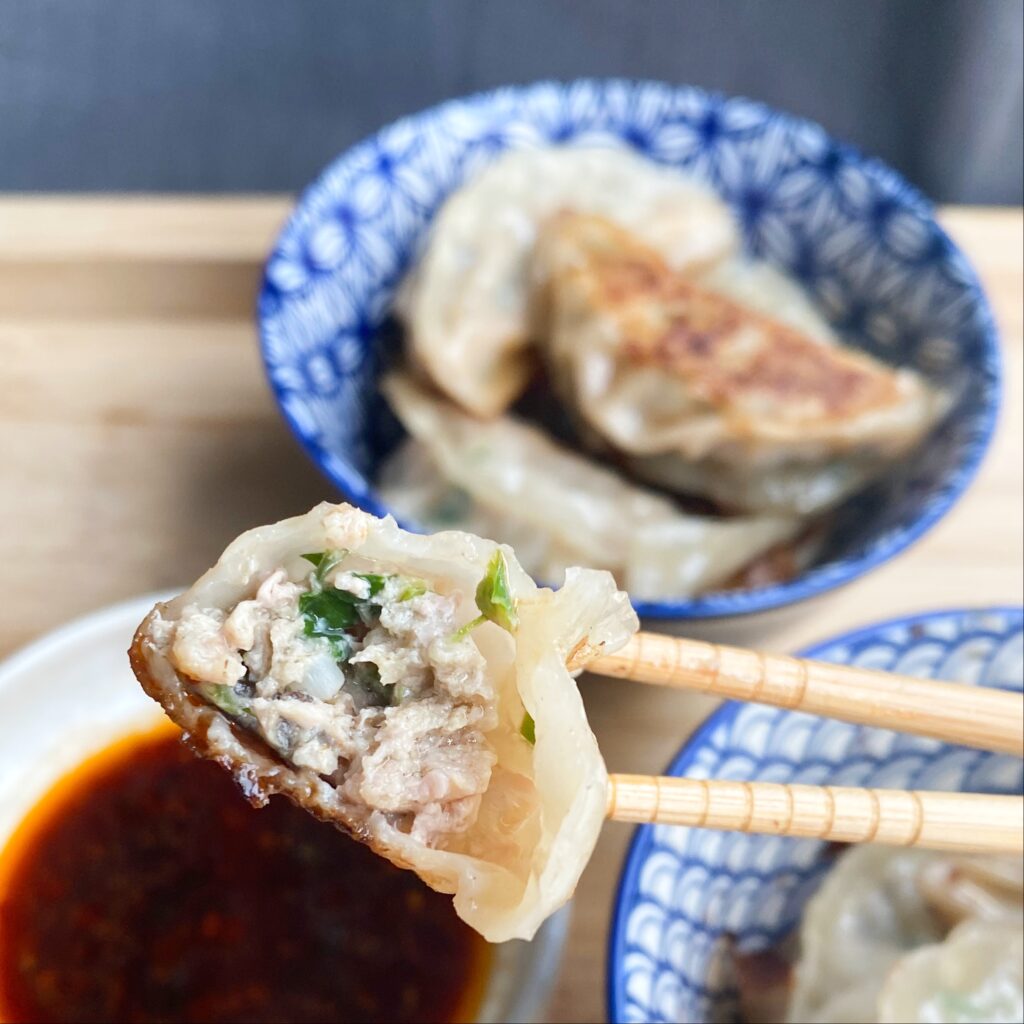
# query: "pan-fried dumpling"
466, 304
505, 478
749, 400
411, 690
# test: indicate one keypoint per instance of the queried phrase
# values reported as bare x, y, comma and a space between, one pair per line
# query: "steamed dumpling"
411, 690
874, 943
505, 478
976, 976
748, 400
867, 913
466, 304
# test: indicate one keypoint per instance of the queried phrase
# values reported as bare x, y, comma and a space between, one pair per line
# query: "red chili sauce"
144, 888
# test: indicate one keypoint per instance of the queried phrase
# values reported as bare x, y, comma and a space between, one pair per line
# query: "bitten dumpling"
726, 383
411, 690
466, 304
505, 478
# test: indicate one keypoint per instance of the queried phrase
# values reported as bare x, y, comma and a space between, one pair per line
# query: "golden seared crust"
708, 340
737, 360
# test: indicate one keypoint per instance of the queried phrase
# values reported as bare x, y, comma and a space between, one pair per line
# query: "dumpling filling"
364, 676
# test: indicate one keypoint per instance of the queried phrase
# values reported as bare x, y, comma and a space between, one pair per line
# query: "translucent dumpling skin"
976, 976
411, 690
505, 478
900, 936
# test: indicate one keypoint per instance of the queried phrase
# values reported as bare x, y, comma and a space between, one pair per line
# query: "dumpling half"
505, 478
713, 394
465, 305
411, 690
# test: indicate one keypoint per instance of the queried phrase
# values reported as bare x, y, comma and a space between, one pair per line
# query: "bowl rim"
686, 754
723, 604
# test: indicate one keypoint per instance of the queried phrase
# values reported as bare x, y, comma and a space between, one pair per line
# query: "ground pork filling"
363, 677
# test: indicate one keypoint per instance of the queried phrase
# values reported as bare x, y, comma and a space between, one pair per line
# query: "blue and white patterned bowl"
859, 238
684, 890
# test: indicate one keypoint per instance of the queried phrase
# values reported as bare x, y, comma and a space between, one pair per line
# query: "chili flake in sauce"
145, 888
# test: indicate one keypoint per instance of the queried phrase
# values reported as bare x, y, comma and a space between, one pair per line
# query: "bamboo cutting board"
139, 436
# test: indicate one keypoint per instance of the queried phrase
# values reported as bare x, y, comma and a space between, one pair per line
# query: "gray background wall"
213, 95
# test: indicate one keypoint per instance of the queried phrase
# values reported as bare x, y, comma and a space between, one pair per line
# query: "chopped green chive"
331, 614
413, 588
494, 595
528, 730
465, 630
225, 698
324, 562
494, 599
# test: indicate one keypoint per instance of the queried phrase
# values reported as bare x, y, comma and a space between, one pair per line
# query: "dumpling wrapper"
507, 479
873, 919
543, 808
727, 383
976, 976
466, 305
865, 916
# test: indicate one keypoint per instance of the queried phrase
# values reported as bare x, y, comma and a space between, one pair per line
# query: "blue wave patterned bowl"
859, 238
683, 890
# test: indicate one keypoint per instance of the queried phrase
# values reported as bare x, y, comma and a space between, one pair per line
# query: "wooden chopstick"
974, 716
967, 822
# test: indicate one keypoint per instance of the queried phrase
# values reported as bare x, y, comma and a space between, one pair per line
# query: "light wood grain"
968, 715
161, 229
966, 822
138, 436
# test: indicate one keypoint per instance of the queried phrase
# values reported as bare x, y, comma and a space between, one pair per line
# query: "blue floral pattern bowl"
683, 891
861, 240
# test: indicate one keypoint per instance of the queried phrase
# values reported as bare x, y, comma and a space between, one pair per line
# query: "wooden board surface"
139, 436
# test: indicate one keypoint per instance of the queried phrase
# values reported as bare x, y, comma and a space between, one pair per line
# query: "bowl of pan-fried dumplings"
641, 328
735, 927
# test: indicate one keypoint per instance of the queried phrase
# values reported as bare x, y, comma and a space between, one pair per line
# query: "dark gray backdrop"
258, 94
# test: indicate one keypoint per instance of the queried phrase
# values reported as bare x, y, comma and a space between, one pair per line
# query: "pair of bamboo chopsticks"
972, 716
